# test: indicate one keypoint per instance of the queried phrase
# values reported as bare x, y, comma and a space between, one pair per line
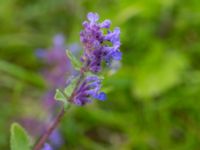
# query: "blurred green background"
154, 100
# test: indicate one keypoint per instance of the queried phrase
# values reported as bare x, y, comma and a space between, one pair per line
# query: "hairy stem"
48, 132
57, 120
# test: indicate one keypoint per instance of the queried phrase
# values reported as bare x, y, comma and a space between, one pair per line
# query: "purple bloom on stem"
99, 47
88, 89
47, 147
56, 138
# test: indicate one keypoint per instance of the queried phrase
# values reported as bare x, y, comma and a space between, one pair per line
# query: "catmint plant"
101, 47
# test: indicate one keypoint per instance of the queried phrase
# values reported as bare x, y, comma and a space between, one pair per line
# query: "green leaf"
70, 88
60, 96
19, 138
74, 61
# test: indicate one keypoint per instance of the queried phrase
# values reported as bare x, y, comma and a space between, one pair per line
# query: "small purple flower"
56, 138
99, 47
47, 147
105, 24
87, 90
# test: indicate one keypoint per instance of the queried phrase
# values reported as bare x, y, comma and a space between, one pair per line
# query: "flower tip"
117, 30
106, 24
101, 96
93, 17
47, 147
117, 55
85, 24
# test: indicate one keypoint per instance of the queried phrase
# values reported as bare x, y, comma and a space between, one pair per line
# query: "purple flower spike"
87, 90
99, 47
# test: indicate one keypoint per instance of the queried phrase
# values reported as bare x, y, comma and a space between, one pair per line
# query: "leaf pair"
64, 95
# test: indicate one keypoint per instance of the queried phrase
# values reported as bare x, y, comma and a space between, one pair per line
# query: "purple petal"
91, 78
117, 30
117, 55
90, 92
47, 147
105, 24
85, 24
94, 85
113, 36
93, 17
56, 138
101, 96
85, 100
95, 68
78, 102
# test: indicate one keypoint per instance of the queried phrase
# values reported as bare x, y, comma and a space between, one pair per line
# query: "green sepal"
70, 88
60, 96
19, 138
101, 77
74, 61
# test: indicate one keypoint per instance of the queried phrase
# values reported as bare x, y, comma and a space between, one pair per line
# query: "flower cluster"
88, 89
98, 45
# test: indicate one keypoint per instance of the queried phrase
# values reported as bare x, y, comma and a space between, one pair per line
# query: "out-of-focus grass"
153, 101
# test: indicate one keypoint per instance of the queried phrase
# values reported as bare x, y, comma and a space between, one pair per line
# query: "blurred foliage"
153, 103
